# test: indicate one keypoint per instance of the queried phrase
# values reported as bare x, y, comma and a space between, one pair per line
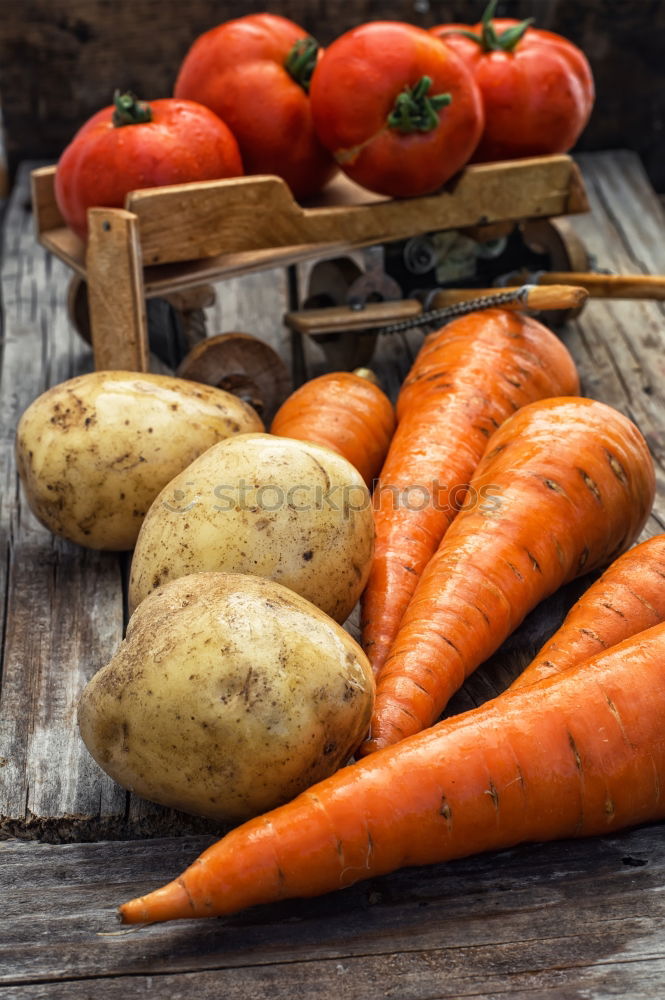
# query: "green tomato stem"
488, 39
511, 36
129, 110
415, 111
301, 60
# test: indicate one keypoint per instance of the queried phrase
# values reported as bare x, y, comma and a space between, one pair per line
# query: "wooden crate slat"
47, 215
63, 243
256, 213
629, 200
239, 215
619, 346
114, 272
63, 608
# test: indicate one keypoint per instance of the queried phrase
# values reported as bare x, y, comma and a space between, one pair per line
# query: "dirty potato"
289, 510
229, 696
94, 452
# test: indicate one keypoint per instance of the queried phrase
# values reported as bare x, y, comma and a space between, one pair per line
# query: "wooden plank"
539, 917
114, 273
240, 201
67, 246
162, 279
619, 347
62, 609
403, 972
630, 202
255, 304
45, 210
187, 222
247, 215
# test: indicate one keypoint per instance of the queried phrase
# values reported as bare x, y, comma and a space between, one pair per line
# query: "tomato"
399, 111
132, 145
537, 87
254, 73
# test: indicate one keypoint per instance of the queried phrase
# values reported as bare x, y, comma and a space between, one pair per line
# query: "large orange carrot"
344, 411
575, 755
467, 379
573, 483
628, 598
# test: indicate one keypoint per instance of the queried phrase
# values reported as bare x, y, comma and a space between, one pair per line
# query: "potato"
94, 452
229, 696
289, 510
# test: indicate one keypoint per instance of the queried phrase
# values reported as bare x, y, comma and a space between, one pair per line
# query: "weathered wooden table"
575, 919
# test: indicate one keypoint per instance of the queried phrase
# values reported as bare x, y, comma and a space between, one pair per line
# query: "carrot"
571, 483
467, 379
628, 598
345, 411
580, 754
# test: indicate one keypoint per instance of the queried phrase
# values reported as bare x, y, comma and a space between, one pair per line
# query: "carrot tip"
172, 902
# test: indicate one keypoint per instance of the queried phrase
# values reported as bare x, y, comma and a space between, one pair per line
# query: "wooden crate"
171, 238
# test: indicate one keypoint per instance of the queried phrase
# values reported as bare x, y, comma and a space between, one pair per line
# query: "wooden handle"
539, 298
338, 319
342, 319
610, 286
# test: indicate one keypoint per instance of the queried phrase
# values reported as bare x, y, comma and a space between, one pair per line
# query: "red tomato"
399, 111
537, 87
254, 73
132, 145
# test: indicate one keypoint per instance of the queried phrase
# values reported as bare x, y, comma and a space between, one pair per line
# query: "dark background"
61, 60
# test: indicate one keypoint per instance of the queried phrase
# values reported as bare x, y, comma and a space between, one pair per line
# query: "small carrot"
575, 755
467, 379
628, 598
571, 484
345, 411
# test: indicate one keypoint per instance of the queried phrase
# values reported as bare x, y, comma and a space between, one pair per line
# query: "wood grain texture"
619, 347
560, 295
45, 210
246, 214
254, 213
563, 916
611, 286
114, 274
62, 609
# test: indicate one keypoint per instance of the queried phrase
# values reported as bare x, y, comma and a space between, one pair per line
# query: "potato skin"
94, 452
229, 696
291, 511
